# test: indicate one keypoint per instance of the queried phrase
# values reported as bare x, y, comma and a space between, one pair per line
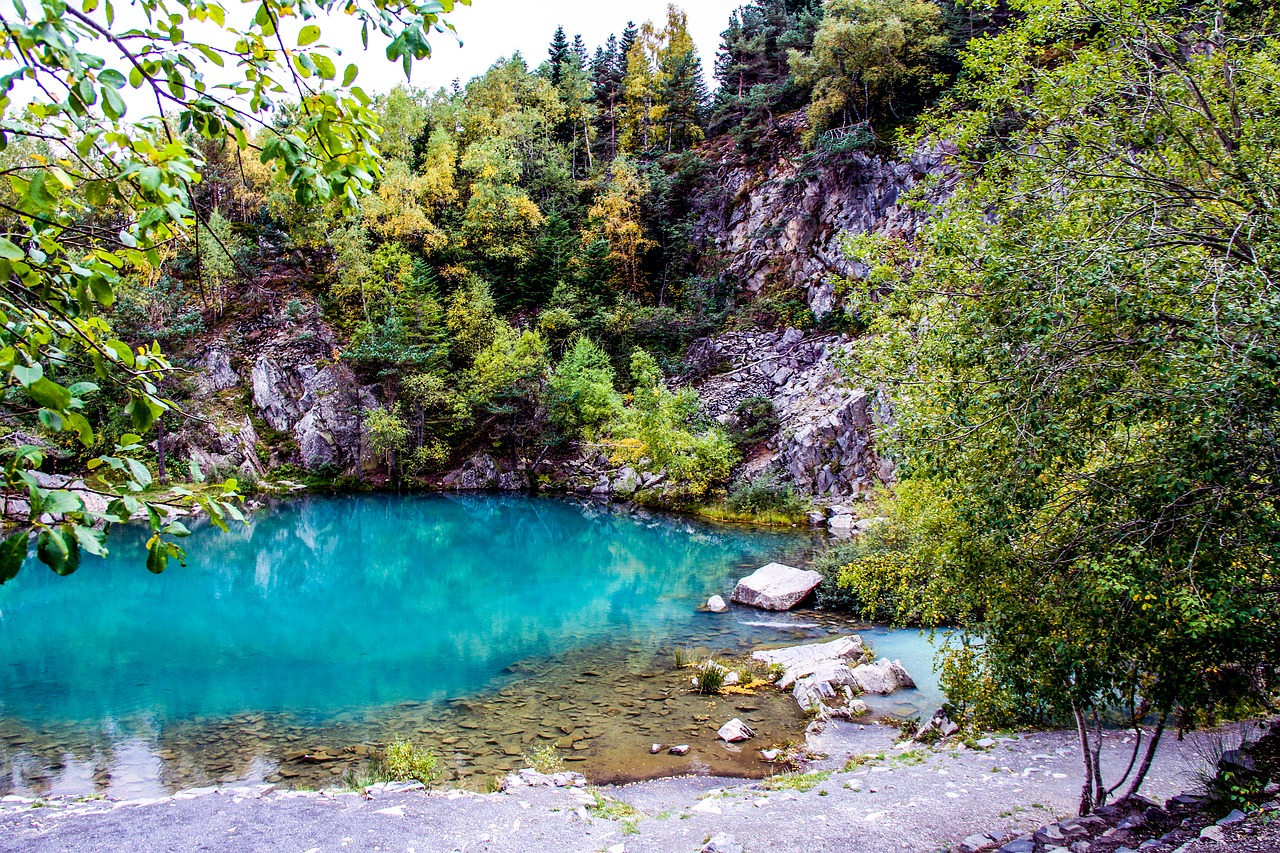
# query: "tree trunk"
164, 475
1082, 731
1151, 754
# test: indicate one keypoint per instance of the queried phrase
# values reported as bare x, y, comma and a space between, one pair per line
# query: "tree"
580, 395
682, 94
504, 382
116, 192
867, 56
558, 55
615, 219
665, 428
752, 69
1084, 364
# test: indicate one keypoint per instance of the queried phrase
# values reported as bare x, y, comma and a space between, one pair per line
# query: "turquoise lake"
332, 622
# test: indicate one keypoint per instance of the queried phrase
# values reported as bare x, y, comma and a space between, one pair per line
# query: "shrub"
756, 422
710, 677
765, 495
407, 762
544, 760
580, 395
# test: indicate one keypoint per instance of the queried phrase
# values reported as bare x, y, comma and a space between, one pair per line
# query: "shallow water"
485, 626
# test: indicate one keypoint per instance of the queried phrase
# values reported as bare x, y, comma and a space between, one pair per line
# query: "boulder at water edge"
884, 676
775, 587
716, 604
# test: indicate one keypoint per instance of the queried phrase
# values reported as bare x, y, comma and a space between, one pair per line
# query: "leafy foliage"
1084, 355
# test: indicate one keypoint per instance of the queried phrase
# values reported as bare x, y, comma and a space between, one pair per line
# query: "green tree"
581, 399
1084, 359
665, 427
62, 265
867, 56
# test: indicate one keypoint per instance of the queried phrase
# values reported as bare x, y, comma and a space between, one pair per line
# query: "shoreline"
908, 800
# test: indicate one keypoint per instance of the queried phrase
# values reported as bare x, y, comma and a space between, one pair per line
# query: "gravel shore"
908, 800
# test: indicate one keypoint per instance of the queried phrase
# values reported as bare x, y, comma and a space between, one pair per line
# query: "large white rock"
716, 604
884, 676
800, 661
775, 587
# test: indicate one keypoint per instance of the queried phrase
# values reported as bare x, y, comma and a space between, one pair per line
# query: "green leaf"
27, 375
157, 556
10, 251
324, 66
349, 76
13, 551
91, 540
80, 424
139, 472
49, 394
309, 35
59, 552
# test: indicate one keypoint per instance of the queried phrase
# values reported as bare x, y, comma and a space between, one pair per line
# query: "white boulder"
799, 661
735, 730
716, 604
775, 587
884, 676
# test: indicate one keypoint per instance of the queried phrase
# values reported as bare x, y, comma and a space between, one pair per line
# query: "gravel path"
908, 801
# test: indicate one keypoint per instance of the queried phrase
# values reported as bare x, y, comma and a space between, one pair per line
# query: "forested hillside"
540, 246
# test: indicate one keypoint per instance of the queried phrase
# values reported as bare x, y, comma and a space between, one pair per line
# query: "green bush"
756, 422
406, 762
765, 495
581, 398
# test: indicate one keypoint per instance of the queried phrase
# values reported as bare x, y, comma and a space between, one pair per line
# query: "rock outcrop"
320, 403
780, 224
825, 442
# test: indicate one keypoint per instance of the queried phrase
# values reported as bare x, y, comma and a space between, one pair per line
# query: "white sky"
495, 28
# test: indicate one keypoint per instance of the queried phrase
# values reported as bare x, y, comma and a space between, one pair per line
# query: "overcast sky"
494, 28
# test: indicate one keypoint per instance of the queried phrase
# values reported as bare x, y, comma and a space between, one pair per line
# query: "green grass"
800, 782
721, 512
856, 761
610, 809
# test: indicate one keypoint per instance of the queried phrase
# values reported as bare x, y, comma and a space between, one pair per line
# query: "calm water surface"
485, 625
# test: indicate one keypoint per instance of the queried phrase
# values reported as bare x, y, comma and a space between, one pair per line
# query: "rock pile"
825, 678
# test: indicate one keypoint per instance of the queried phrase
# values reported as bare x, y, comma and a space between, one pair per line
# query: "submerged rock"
775, 587
682, 749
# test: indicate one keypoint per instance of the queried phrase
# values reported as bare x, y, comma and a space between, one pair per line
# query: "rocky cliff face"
311, 403
779, 224
825, 441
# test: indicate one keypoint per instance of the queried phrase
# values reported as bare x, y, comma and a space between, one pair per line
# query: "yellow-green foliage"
544, 760
406, 762
663, 426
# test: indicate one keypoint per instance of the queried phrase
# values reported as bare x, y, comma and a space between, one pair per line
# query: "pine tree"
681, 91
752, 69
558, 54
639, 89
580, 51
606, 85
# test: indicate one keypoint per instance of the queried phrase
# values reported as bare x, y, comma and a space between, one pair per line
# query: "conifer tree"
606, 85
557, 55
